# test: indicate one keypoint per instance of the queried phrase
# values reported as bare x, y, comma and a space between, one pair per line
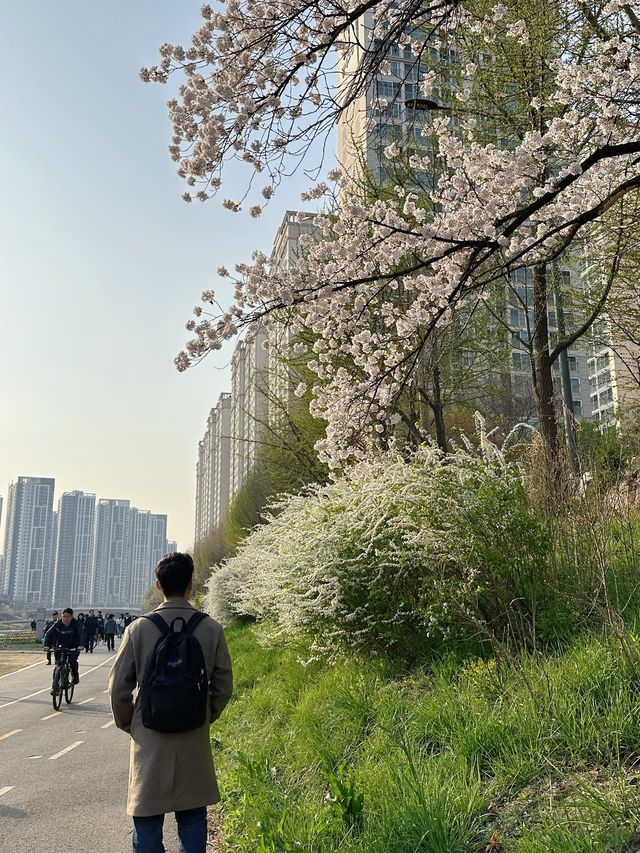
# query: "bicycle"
62, 679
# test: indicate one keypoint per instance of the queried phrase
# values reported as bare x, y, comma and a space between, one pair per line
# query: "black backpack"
175, 689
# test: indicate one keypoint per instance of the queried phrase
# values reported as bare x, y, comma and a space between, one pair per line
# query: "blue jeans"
192, 832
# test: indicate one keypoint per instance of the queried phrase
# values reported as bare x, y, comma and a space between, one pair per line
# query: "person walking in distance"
110, 631
178, 659
48, 624
90, 627
99, 627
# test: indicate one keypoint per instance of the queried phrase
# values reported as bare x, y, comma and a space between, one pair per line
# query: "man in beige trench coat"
169, 772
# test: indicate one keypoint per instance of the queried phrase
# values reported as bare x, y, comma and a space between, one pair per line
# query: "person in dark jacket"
48, 624
110, 630
83, 632
65, 634
91, 627
100, 626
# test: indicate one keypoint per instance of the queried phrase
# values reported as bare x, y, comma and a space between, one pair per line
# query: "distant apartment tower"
238, 417
391, 108
29, 539
614, 375
113, 542
148, 538
250, 392
73, 576
172, 546
287, 252
1, 555
213, 470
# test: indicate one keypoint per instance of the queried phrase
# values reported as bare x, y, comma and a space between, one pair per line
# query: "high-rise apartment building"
262, 383
603, 375
238, 417
256, 393
213, 471
1, 555
29, 540
73, 576
159, 544
148, 543
172, 546
113, 542
614, 375
287, 252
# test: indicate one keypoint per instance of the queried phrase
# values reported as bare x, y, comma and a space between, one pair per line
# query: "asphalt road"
63, 775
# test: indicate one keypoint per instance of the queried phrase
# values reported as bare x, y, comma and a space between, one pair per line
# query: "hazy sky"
101, 262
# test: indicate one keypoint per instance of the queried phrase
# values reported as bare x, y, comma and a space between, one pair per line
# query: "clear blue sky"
101, 262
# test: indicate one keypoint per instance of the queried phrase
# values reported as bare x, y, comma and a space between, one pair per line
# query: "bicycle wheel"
69, 686
56, 688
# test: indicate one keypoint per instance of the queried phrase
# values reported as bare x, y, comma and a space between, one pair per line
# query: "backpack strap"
158, 621
194, 621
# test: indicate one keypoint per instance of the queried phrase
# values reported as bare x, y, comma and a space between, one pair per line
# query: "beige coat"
168, 772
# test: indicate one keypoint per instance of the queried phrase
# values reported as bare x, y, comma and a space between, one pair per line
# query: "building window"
519, 339
573, 363
575, 385
577, 408
411, 72
520, 360
387, 90
517, 318
410, 91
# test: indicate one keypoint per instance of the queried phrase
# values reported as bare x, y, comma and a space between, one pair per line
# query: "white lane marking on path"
48, 689
16, 671
9, 734
49, 716
110, 723
6, 790
65, 750
84, 701
33, 756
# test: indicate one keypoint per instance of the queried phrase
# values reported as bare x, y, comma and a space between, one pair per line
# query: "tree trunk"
438, 409
543, 384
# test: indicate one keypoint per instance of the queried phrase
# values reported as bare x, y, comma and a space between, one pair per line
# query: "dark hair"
54, 612
174, 571
68, 610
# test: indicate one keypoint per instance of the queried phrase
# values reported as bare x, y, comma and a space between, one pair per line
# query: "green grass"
23, 641
468, 756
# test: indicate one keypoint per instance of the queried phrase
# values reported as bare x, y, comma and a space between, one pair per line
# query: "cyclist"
65, 634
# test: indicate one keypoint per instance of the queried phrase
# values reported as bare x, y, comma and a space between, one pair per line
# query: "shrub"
396, 555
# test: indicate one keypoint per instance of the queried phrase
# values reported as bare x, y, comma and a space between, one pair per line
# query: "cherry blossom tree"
259, 85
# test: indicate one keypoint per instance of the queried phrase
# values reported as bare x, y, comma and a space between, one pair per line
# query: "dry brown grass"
10, 661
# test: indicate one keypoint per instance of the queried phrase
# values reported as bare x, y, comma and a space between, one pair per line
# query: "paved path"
63, 776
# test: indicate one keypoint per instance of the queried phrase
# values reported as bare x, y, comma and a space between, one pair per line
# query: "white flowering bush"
395, 556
